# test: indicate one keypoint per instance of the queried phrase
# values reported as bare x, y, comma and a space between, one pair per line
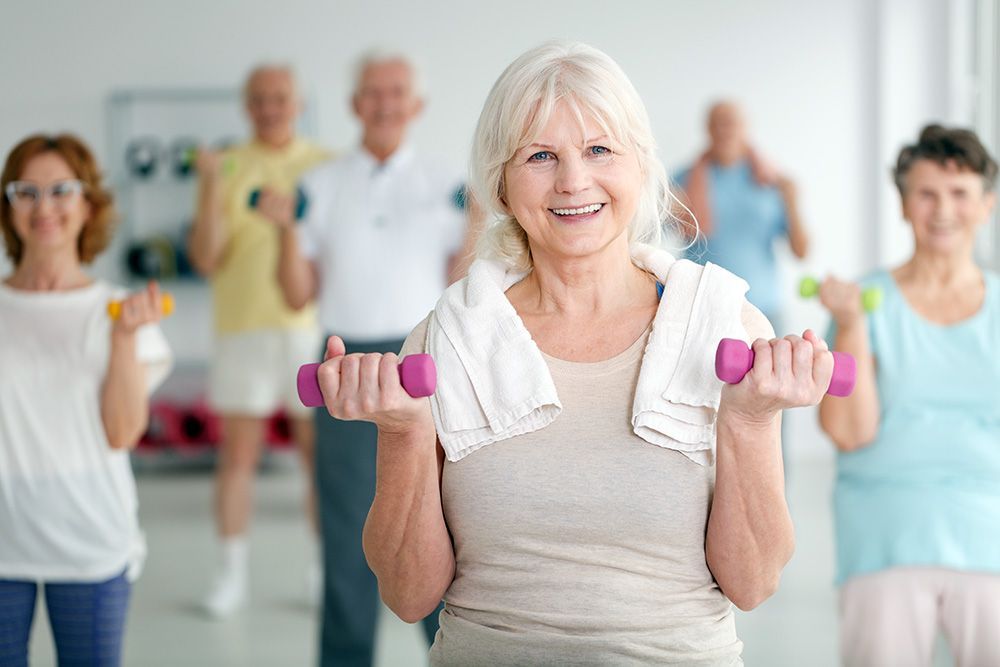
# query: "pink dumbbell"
417, 374
734, 359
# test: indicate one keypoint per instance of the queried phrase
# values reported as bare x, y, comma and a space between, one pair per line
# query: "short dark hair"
947, 145
97, 232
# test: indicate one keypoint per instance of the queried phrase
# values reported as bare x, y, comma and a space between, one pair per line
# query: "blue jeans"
87, 619
345, 487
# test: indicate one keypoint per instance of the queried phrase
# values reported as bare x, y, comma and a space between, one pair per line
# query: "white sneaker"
227, 594
314, 586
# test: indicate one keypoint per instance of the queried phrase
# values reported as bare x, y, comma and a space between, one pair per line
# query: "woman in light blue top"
917, 498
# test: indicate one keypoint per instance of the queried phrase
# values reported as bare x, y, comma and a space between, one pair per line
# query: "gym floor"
798, 626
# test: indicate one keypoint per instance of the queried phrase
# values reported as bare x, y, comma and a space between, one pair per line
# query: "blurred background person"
917, 497
381, 240
259, 340
74, 399
742, 205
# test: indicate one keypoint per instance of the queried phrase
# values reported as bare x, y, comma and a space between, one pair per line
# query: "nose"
571, 175
44, 204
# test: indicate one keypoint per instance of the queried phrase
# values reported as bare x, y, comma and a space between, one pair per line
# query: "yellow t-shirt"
245, 289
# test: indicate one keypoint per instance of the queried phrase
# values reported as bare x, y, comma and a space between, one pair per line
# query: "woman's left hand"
787, 372
138, 309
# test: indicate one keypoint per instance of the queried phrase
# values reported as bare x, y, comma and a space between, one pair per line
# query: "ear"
902, 208
502, 198
990, 201
418, 107
356, 105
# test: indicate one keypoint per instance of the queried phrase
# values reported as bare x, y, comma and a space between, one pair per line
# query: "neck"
726, 158
587, 286
381, 150
50, 273
276, 142
934, 269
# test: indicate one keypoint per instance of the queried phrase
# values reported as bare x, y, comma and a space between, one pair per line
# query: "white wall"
808, 73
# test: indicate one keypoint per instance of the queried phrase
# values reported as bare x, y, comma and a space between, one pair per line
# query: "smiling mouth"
582, 210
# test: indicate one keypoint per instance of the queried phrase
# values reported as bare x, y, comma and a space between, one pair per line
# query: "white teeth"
593, 208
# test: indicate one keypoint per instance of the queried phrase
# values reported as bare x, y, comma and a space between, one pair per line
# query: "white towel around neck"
493, 382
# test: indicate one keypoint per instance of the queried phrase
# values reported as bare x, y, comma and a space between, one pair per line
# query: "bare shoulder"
755, 324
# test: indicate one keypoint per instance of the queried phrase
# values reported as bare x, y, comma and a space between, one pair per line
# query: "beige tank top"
580, 543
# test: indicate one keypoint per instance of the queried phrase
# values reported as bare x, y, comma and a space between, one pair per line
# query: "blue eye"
541, 156
600, 150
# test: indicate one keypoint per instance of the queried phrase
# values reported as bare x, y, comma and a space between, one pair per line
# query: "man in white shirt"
382, 236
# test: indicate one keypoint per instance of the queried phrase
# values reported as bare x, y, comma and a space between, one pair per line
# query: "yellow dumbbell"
871, 297
166, 306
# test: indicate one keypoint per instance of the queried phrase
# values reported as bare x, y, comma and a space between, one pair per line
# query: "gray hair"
381, 56
519, 106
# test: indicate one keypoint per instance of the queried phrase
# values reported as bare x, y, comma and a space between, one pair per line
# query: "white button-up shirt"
381, 235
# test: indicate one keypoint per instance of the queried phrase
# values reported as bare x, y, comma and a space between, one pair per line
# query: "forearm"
750, 535
852, 421
406, 540
798, 237
207, 234
124, 403
296, 275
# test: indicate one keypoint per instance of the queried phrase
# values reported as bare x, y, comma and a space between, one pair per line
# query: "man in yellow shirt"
260, 341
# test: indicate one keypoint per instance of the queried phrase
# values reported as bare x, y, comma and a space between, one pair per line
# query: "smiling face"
573, 189
273, 105
50, 227
386, 102
945, 205
727, 131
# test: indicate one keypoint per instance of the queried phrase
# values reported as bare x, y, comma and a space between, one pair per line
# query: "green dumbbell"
301, 201
186, 160
871, 297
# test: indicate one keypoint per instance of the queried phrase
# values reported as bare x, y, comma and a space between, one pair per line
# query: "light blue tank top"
748, 218
927, 490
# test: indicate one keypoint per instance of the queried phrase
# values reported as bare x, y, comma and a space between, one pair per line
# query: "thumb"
334, 348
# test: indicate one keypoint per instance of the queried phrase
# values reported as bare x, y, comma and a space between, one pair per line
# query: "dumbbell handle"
166, 306
301, 202
871, 297
417, 374
734, 359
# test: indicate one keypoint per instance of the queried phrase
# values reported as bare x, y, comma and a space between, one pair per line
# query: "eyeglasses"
25, 195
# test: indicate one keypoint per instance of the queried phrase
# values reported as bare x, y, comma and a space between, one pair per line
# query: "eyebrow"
549, 147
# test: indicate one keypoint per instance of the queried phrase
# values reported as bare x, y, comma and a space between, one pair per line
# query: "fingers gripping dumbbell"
417, 374
871, 297
301, 202
734, 359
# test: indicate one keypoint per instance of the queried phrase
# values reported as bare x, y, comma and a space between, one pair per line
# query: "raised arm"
405, 537
798, 236
852, 421
297, 276
208, 239
750, 535
124, 399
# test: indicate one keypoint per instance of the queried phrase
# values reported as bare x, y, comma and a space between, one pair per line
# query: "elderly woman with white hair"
580, 488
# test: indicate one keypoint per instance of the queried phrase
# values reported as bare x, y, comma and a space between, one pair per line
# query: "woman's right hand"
366, 387
843, 300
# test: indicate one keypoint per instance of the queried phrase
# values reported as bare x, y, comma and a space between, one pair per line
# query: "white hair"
519, 106
381, 56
